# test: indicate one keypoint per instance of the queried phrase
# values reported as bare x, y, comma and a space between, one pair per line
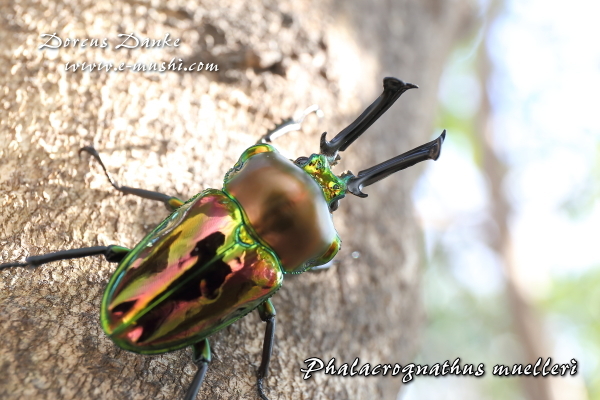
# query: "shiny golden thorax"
285, 206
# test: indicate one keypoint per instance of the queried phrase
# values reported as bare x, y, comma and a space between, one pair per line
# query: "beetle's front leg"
170, 202
290, 125
323, 267
201, 358
267, 314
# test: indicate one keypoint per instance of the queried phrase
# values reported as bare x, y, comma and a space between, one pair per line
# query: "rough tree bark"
179, 133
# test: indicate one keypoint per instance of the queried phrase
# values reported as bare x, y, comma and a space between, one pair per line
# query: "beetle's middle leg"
267, 314
170, 202
201, 358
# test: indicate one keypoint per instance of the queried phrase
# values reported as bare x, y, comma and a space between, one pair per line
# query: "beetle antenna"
427, 151
392, 90
290, 125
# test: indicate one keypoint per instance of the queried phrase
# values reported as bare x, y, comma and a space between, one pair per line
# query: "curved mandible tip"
436, 150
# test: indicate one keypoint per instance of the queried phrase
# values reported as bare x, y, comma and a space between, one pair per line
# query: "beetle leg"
267, 314
290, 125
323, 267
172, 203
111, 253
201, 358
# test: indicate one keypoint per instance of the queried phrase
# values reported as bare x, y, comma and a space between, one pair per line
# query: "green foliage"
460, 100
583, 200
572, 305
476, 328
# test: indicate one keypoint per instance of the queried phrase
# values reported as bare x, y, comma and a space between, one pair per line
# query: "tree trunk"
179, 132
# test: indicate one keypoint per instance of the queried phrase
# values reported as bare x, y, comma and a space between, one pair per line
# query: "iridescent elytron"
199, 271
224, 253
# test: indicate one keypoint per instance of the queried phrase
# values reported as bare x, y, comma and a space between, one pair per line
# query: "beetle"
223, 253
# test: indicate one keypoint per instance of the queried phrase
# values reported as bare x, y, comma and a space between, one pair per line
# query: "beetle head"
334, 187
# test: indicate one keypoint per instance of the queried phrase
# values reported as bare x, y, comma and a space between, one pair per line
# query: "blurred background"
512, 213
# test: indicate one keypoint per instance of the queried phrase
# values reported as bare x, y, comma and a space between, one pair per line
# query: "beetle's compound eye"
334, 206
301, 160
334, 186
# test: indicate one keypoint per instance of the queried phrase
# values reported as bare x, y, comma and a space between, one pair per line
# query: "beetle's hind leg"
111, 253
201, 358
290, 125
267, 314
170, 202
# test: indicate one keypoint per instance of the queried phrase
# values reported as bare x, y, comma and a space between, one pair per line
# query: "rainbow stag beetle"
223, 253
